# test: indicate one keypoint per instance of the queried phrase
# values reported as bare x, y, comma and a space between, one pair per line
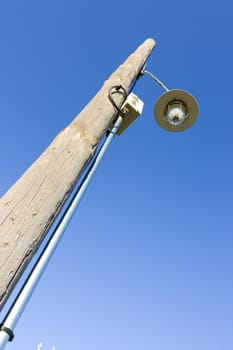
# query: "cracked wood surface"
31, 205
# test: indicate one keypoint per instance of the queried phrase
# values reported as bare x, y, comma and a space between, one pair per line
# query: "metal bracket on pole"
8, 332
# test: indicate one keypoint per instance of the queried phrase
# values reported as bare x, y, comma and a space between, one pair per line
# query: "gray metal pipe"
17, 308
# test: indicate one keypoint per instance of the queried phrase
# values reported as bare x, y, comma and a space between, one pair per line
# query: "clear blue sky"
147, 261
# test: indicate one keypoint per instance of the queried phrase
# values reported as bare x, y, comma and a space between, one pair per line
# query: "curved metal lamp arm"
155, 79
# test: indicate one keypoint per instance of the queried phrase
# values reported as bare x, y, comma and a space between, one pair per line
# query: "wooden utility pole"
31, 205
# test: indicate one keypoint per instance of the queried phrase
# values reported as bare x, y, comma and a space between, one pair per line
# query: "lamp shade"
176, 110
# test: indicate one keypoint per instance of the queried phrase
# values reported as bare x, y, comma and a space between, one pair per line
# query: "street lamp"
175, 110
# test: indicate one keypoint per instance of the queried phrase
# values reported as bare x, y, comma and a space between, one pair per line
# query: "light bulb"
176, 113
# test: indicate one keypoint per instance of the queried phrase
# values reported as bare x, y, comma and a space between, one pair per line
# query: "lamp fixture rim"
169, 97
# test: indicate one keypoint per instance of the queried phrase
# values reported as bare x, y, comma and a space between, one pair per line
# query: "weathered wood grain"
30, 206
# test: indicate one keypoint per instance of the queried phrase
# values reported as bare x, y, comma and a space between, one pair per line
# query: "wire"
114, 90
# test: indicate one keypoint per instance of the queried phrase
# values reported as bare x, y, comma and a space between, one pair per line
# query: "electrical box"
132, 108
